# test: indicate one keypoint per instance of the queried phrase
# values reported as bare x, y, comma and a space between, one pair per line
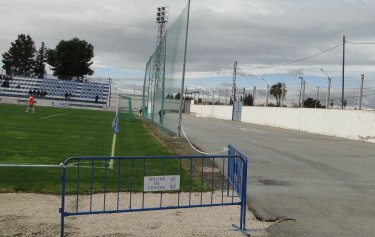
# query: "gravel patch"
25, 214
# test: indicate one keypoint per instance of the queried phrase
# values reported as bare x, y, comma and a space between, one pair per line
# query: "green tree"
248, 100
40, 62
169, 96
277, 91
19, 60
71, 59
177, 96
310, 103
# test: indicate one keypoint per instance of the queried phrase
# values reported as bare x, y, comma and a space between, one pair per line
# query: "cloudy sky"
256, 33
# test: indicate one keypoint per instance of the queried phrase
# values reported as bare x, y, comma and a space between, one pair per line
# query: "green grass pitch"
51, 135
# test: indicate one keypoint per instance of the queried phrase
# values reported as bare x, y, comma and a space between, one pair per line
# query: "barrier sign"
161, 183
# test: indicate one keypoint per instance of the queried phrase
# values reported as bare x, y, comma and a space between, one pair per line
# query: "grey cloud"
303, 30
252, 32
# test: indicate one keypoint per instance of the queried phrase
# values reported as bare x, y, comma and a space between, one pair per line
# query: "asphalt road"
318, 185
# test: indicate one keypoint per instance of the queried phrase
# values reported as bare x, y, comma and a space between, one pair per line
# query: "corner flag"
115, 123
115, 131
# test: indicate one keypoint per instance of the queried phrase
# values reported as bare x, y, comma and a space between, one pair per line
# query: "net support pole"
183, 74
143, 108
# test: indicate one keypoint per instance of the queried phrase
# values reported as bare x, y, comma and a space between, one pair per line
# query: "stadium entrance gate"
89, 186
237, 110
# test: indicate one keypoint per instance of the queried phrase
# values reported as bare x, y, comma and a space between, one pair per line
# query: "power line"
313, 85
354, 88
247, 77
244, 76
295, 61
355, 96
359, 43
347, 88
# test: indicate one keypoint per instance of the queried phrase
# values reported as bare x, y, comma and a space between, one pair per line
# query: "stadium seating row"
57, 88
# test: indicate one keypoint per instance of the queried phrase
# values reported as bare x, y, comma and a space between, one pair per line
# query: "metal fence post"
62, 209
244, 190
229, 166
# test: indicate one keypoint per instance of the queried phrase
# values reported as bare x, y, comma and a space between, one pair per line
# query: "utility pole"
282, 95
361, 93
317, 97
234, 81
268, 92
343, 72
329, 88
329, 92
254, 94
300, 93
303, 94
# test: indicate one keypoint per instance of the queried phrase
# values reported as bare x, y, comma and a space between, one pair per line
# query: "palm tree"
277, 91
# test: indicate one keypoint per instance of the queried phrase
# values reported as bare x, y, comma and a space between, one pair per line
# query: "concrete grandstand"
67, 92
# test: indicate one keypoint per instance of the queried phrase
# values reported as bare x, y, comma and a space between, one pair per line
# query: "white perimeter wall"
352, 124
212, 111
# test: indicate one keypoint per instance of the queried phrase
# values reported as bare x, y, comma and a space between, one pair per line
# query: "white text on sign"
161, 183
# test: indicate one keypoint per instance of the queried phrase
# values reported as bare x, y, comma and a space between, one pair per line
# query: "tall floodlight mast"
159, 63
234, 86
161, 20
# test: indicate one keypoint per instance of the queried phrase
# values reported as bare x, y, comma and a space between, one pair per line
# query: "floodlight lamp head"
300, 78
161, 14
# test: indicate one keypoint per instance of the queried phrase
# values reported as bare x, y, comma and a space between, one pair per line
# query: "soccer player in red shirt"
30, 103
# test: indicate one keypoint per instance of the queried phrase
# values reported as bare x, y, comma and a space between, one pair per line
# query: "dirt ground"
27, 214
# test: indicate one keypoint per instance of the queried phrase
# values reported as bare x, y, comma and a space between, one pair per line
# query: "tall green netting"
125, 106
161, 90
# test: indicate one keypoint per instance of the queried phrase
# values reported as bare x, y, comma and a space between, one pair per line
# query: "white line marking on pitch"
55, 115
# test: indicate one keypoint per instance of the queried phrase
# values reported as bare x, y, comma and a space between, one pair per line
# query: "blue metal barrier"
237, 176
88, 179
235, 169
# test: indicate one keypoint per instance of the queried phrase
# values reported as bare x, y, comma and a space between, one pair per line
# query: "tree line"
277, 90
70, 59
